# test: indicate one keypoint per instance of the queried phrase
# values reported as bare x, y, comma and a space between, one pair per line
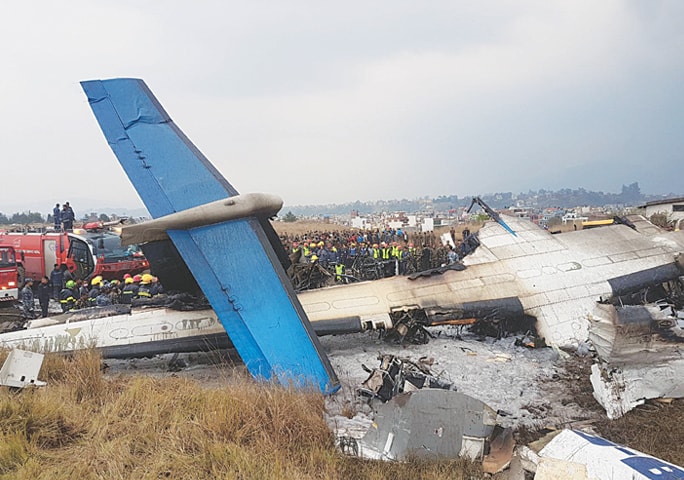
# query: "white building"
672, 207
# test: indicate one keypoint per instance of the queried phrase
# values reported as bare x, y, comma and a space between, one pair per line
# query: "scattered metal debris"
21, 369
397, 375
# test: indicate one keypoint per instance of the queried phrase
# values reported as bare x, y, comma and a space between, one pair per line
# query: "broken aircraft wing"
232, 260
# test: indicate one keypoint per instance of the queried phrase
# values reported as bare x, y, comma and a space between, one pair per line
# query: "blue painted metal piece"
233, 262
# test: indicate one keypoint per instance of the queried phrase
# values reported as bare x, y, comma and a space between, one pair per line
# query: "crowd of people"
399, 252
75, 294
361, 255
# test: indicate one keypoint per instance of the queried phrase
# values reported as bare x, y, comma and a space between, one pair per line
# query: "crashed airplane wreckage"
203, 240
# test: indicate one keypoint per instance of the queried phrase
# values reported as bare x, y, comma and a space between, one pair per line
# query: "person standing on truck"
44, 291
57, 217
27, 303
68, 217
57, 281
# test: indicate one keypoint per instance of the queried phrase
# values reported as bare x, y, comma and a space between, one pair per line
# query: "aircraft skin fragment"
607, 460
232, 261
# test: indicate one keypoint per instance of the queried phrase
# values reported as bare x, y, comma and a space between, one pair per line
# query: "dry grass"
654, 428
85, 426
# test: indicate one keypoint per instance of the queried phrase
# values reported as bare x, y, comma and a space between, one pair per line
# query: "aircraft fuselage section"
557, 278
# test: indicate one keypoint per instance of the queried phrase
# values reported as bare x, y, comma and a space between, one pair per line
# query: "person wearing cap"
96, 284
28, 306
144, 288
129, 291
66, 296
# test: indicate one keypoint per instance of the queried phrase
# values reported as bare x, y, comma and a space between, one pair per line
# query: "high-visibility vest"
339, 270
385, 253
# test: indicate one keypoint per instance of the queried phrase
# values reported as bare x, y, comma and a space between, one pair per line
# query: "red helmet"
137, 278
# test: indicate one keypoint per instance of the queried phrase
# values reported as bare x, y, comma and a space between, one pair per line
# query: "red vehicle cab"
85, 253
9, 276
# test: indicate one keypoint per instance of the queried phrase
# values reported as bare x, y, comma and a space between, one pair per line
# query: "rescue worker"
144, 288
96, 284
129, 291
44, 293
385, 251
114, 291
156, 287
66, 296
103, 299
339, 271
27, 302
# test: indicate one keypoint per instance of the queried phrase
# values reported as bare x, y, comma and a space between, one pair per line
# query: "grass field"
85, 426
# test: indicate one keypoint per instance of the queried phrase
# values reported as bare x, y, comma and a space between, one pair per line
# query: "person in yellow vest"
385, 251
339, 271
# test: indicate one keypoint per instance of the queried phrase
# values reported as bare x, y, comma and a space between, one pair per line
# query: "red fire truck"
9, 277
85, 253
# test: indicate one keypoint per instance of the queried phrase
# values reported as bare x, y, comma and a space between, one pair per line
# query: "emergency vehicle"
9, 276
84, 253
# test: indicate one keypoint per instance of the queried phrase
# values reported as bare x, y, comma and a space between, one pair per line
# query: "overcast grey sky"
328, 102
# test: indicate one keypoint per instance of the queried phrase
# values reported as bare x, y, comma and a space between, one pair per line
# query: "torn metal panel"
606, 460
621, 389
635, 335
21, 369
429, 423
640, 356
